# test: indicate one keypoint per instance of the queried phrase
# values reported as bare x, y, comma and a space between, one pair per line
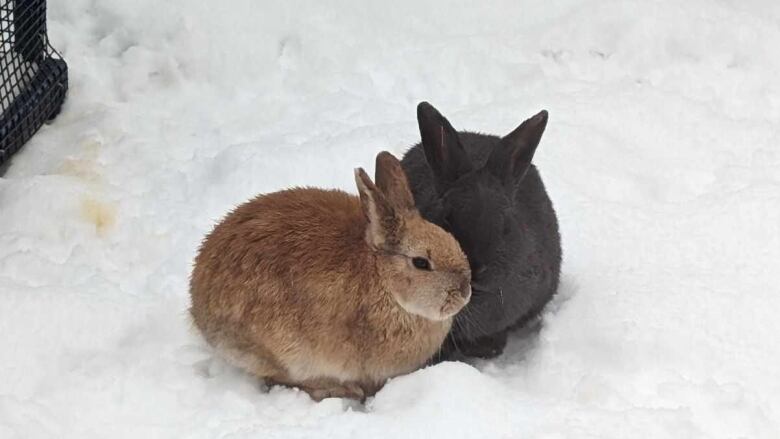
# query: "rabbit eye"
421, 263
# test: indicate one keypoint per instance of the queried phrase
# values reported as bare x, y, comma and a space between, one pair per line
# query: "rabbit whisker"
455, 343
499, 293
474, 324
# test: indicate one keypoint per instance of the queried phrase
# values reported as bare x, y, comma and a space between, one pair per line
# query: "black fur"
484, 190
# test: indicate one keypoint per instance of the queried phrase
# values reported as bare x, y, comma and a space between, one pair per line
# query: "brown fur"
316, 288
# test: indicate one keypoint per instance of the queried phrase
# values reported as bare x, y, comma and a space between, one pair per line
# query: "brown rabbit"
329, 292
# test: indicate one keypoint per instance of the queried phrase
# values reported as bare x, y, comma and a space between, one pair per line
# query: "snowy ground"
662, 157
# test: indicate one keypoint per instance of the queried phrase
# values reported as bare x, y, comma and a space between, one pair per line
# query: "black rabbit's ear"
443, 150
512, 157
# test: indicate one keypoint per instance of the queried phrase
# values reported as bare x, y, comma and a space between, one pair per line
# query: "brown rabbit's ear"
384, 225
391, 180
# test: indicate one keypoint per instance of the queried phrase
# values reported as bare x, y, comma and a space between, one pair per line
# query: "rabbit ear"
512, 157
383, 224
391, 180
443, 150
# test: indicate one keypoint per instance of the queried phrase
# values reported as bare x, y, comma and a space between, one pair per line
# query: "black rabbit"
484, 190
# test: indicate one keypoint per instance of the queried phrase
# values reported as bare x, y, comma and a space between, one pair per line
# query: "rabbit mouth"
454, 301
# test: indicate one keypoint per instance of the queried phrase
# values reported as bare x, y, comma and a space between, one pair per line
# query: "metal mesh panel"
33, 76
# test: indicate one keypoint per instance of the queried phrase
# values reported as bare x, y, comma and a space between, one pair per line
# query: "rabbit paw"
320, 391
486, 347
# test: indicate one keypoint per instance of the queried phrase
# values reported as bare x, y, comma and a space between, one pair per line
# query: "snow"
662, 158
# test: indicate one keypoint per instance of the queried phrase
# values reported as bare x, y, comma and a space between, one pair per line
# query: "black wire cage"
33, 76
